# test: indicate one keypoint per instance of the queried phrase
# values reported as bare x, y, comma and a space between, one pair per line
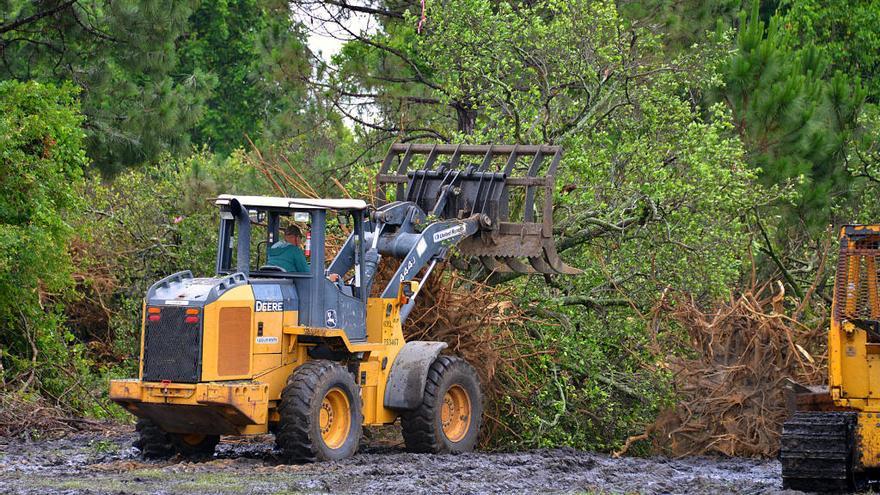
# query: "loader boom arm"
396, 230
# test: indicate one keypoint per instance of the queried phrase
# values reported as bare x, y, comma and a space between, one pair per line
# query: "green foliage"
159, 75
41, 161
123, 56
793, 115
843, 31
682, 23
171, 227
672, 178
222, 39
525, 71
258, 56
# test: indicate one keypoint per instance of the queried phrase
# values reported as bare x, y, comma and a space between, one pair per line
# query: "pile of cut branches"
731, 387
23, 415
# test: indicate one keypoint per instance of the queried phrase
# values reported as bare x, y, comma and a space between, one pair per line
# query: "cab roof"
292, 203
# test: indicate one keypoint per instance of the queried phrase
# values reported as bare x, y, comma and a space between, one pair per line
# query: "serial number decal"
450, 232
267, 340
266, 306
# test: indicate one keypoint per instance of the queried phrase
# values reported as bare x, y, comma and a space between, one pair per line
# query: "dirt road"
105, 463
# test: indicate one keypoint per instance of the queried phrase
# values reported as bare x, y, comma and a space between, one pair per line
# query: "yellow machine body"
853, 352
242, 378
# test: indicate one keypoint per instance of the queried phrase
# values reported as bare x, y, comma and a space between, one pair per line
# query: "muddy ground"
106, 463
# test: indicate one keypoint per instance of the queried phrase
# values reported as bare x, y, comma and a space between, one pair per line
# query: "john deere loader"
832, 441
314, 355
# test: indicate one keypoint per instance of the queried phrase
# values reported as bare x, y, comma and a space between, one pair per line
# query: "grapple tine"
556, 262
402, 168
487, 159
493, 265
518, 266
459, 263
541, 266
528, 207
511, 160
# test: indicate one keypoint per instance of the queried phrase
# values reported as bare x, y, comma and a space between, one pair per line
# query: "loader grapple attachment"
501, 183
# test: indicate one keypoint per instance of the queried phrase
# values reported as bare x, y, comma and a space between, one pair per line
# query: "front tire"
448, 419
321, 417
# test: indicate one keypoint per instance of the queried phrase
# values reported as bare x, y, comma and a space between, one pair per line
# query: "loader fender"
406, 382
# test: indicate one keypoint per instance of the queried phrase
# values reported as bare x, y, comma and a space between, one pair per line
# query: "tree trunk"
467, 117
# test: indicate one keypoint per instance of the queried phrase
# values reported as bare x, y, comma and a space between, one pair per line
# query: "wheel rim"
192, 439
455, 414
335, 418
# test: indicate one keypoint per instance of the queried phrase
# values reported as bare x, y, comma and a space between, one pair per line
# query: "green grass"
151, 481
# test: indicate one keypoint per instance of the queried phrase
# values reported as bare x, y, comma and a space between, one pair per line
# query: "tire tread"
294, 436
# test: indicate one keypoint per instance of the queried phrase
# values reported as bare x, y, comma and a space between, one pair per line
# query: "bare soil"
106, 463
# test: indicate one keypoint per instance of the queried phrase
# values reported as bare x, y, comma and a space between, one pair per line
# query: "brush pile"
731, 387
483, 325
24, 416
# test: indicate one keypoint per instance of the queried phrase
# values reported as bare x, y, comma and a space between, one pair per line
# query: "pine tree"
793, 115
843, 30
236, 41
123, 55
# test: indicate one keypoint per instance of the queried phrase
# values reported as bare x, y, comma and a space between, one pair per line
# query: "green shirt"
288, 257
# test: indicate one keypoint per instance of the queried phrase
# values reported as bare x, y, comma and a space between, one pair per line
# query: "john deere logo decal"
331, 318
450, 232
264, 306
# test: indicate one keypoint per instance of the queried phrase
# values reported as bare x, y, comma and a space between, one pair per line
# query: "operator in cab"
287, 253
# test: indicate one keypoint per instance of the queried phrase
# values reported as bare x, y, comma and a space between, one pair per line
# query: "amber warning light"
154, 314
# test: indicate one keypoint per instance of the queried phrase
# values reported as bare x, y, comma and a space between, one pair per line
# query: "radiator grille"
172, 348
234, 339
858, 273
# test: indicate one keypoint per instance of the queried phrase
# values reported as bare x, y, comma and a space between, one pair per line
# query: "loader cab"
250, 225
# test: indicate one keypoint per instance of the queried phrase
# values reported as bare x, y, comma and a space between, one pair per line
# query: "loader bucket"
499, 182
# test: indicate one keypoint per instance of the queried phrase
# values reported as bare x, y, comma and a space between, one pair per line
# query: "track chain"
817, 451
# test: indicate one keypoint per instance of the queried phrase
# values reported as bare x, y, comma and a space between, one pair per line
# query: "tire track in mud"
96, 463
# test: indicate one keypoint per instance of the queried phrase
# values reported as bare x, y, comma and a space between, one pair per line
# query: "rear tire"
195, 446
156, 443
321, 417
153, 442
448, 419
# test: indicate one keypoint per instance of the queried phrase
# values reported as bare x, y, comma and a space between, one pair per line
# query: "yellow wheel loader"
314, 355
832, 441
